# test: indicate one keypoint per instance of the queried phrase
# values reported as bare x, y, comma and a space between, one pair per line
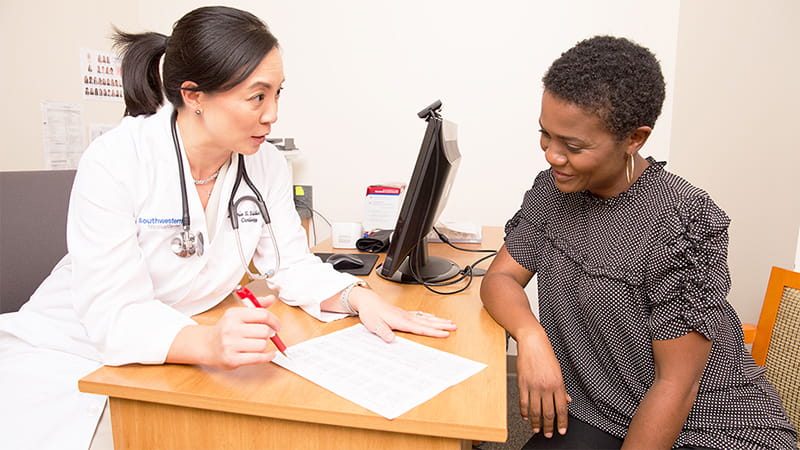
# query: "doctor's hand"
240, 337
382, 317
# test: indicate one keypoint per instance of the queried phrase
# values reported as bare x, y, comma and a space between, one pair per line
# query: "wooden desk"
267, 407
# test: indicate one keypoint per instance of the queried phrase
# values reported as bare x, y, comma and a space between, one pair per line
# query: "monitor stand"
431, 269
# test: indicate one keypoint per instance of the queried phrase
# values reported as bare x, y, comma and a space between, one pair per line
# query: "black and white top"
647, 264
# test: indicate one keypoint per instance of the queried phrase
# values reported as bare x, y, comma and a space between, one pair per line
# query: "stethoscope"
187, 243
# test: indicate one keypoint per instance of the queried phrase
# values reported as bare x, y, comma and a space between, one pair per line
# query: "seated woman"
636, 345
151, 242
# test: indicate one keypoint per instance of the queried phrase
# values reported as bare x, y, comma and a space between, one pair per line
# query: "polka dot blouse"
647, 264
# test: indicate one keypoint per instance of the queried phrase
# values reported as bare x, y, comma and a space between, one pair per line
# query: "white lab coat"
121, 295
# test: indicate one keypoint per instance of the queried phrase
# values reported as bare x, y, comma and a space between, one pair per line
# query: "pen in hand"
247, 296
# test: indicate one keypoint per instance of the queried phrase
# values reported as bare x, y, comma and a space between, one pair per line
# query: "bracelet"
344, 299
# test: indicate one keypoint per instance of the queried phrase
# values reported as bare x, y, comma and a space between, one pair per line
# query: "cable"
302, 205
446, 240
467, 272
312, 213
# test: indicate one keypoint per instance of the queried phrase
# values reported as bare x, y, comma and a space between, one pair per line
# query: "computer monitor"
407, 259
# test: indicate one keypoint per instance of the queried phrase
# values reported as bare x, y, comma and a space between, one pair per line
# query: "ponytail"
215, 47
141, 80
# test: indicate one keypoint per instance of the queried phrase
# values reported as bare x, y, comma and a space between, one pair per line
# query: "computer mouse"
344, 261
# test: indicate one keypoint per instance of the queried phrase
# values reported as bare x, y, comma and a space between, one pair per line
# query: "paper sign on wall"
102, 75
63, 135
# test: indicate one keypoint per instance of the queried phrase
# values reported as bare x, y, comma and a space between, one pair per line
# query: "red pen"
248, 298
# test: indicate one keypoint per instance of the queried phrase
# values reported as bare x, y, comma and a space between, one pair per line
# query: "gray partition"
33, 218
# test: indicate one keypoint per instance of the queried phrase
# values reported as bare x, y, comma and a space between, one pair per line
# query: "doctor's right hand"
239, 338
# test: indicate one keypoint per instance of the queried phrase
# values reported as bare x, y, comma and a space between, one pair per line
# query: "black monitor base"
434, 271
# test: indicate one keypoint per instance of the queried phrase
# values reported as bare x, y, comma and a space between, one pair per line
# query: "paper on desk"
388, 379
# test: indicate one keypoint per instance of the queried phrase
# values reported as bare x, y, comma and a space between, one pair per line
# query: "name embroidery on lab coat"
155, 223
248, 216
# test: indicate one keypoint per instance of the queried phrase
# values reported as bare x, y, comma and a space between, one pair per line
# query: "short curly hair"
614, 78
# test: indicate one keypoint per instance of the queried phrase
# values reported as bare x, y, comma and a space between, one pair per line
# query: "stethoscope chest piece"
187, 244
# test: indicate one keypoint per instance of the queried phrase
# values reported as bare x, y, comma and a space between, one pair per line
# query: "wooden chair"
776, 338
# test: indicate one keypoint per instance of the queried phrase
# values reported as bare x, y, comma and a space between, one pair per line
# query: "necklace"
209, 179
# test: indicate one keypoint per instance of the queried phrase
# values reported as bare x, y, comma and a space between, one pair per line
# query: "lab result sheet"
387, 379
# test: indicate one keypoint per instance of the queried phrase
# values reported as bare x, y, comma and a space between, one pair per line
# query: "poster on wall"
102, 75
63, 135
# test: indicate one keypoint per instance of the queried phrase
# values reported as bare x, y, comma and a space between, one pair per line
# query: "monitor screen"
407, 259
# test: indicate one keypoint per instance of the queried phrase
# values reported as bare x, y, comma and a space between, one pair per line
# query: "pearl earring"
198, 112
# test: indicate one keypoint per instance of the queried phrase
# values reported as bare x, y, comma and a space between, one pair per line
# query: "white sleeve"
303, 279
112, 288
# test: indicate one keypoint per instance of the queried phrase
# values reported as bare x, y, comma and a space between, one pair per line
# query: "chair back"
777, 340
33, 228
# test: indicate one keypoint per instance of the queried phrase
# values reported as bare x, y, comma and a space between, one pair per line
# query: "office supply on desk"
381, 206
250, 299
456, 232
345, 234
367, 260
387, 379
375, 242
342, 261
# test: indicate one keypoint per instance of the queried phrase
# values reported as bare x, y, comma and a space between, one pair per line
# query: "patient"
636, 345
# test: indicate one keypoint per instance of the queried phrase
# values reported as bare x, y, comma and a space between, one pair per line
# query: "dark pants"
581, 435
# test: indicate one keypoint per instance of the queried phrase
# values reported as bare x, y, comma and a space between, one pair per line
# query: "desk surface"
474, 409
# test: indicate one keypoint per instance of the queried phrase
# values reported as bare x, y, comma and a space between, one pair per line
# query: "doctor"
150, 241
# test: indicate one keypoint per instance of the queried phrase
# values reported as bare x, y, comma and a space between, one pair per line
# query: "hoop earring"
198, 112
630, 169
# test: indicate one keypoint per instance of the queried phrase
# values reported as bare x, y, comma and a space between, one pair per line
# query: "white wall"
735, 130
40, 47
358, 71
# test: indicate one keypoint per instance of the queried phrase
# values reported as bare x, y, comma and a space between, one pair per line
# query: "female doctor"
151, 242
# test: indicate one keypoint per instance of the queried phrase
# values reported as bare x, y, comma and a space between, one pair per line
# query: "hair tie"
166, 42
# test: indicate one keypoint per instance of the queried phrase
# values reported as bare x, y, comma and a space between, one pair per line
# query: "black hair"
216, 47
615, 78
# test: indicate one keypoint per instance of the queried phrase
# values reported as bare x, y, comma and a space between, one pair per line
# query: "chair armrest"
749, 330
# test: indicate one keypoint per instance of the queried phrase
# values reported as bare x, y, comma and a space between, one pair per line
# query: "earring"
630, 169
198, 112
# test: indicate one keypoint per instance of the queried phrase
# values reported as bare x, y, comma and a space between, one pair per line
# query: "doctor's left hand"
239, 338
381, 317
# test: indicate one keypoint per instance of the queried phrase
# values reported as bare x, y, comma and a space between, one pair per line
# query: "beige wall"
735, 129
357, 73
40, 47
728, 66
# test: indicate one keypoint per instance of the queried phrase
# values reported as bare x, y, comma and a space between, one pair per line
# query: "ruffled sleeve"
688, 278
524, 228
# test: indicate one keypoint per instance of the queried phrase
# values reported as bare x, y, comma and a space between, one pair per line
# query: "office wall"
358, 71
40, 46
734, 130
357, 74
